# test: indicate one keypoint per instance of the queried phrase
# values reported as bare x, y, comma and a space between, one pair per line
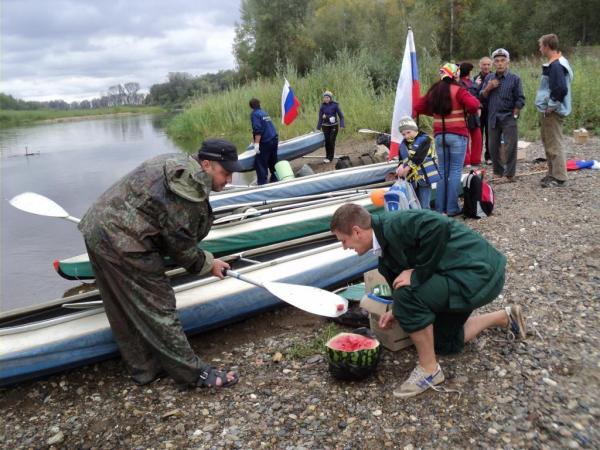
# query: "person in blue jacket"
265, 141
329, 113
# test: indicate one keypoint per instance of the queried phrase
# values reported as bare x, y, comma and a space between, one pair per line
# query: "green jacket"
159, 209
432, 243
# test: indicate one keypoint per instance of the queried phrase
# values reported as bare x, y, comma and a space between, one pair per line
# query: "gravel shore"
542, 393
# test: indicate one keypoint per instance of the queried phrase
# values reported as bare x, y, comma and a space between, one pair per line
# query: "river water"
72, 163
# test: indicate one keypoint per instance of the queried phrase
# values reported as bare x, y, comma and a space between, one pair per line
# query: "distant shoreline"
13, 118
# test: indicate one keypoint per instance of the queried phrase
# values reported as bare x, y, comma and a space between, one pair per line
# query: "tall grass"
12, 118
227, 114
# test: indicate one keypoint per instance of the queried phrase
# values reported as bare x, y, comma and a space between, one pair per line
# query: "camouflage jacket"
159, 209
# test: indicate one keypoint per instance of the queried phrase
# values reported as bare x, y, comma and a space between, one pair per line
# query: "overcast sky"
76, 49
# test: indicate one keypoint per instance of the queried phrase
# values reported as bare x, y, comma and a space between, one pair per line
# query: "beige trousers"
551, 126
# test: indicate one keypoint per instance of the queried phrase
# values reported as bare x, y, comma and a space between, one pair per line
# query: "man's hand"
493, 84
218, 268
403, 279
478, 80
386, 320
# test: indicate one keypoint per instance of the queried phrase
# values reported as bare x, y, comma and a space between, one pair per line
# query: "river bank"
12, 118
542, 393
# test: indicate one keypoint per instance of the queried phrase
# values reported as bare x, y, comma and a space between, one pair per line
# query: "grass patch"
227, 114
12, 118
315, 345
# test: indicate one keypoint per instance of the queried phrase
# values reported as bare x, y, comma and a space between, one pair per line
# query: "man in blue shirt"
502, 92
553, 101
265, 141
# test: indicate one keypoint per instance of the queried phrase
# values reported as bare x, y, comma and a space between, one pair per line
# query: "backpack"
343, 162
478, 196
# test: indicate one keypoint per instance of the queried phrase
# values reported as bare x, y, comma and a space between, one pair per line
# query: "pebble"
56, 439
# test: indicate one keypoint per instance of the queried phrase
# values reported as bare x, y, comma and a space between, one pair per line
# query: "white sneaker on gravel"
419, 381
326, 160
516, 321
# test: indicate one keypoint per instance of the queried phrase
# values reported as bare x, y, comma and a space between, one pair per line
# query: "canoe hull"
87, 338
287, 150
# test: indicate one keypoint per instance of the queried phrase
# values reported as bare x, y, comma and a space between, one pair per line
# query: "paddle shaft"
239, 276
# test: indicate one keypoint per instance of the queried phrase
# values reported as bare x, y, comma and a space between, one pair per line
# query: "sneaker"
418, 382
545, 179
326, 160
488, 162
516, 321
553, 182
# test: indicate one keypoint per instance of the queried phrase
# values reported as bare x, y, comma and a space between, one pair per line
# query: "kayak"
74, 331
286, 150
318, 183
243, 233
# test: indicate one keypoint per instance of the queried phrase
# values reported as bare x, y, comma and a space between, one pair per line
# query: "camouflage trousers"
140, 306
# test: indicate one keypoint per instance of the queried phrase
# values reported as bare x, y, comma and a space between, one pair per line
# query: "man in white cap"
502, 92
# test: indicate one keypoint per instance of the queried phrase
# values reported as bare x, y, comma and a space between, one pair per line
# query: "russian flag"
407, 90
289, 104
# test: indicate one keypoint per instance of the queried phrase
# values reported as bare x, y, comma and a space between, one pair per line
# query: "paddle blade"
38, 204
368, 131
309, 299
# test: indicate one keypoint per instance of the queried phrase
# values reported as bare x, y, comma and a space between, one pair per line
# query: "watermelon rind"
356, 364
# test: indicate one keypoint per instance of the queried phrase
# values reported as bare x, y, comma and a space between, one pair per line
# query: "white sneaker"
419, 382
326, 160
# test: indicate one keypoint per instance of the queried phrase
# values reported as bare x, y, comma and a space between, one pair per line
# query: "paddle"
42, 206
369, 131
307, 298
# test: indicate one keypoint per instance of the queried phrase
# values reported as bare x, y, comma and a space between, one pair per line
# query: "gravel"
540, 393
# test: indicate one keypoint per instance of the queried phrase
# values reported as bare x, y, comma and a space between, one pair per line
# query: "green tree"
272, 31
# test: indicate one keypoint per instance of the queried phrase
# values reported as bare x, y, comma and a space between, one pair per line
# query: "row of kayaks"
276, 232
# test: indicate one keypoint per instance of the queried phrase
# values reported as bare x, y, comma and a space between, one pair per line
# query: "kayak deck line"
242, 257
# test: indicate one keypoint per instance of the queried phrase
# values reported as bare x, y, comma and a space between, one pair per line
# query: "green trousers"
140, 306
438, 301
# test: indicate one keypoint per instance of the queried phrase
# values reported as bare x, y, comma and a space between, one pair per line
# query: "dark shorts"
415, 308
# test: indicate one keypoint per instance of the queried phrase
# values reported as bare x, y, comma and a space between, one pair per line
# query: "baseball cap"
222, 151
500, 52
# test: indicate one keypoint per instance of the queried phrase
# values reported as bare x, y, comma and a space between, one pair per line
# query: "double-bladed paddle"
308, 298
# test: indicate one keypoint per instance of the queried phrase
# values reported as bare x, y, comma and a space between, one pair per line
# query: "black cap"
222, 151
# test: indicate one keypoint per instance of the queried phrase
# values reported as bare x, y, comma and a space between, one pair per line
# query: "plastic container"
284, 171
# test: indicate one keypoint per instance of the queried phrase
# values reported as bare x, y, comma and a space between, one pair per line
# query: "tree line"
118, 95
295, 31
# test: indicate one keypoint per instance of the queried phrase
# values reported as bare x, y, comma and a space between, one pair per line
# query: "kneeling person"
440, 272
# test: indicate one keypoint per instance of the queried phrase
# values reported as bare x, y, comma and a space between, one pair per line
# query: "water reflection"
77, 162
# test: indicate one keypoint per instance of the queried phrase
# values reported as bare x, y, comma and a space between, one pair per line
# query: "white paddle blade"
38, 204
368, 131
310, 299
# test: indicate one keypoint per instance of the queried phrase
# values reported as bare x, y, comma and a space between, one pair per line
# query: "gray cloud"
76, 49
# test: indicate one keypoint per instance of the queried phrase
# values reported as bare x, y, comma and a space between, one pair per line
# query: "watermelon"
353, 356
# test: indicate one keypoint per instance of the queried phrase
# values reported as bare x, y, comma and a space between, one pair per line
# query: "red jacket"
455, 121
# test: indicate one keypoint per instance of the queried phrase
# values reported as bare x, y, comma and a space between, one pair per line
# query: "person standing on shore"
485, 68
553, 101
503, 93
473, 155
447, 102
329, 113
265, 141
159, 209
440, 271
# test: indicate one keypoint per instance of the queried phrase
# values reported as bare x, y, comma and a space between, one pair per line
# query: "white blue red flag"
289, 104
407, 90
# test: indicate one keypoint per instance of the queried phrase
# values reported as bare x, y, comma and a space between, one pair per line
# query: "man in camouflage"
159, 209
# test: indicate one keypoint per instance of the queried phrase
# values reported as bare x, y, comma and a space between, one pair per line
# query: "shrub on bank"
227, 114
